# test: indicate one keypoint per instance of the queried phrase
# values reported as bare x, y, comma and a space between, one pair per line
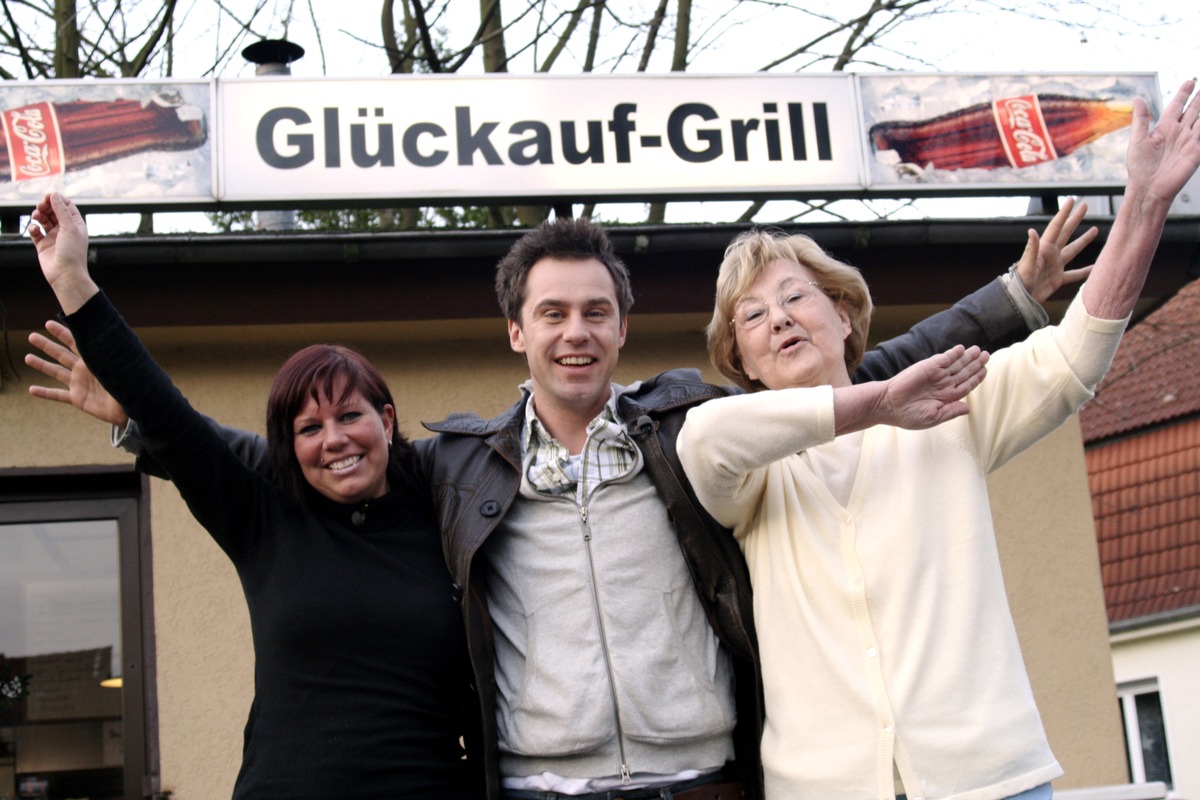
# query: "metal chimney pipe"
273, 57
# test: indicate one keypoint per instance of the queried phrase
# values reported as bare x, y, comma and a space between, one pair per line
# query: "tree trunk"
66, 44
409, 218
589, 61
495, 57
679, 62
683, 36
400, 53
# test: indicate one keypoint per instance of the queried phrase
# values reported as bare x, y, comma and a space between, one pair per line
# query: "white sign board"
529, 137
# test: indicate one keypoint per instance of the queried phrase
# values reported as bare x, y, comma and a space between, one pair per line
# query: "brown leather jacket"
474, 470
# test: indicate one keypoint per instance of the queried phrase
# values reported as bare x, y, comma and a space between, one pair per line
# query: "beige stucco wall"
1043, 514
204, 659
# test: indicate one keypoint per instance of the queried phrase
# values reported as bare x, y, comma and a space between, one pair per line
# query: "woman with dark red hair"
361, 671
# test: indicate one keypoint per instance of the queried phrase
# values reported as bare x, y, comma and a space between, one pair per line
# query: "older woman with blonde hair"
745, 259
890, 661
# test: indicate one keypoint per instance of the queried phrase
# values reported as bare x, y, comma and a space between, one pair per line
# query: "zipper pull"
626, 778
583, 514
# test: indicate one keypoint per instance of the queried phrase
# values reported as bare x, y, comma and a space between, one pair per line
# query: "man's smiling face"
571, 333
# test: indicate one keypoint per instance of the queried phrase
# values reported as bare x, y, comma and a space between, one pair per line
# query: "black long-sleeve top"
361, 670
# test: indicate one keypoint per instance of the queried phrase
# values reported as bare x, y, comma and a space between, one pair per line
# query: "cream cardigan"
885, 633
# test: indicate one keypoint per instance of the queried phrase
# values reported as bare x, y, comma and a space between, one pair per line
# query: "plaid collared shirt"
608, 453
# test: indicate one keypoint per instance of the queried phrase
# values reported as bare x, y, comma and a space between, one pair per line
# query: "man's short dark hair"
566, 239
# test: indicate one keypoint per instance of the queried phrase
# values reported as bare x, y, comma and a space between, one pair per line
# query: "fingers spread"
1060, 218
46, 393
968, 370
61, 332
1141, 120
1174, 109
1072, 249
48, 368
53, 349
1075, 216
972, 380
951, 410
1076, 275
1181, 96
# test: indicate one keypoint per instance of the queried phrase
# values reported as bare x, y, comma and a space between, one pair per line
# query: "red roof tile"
1146, 501
1155, 375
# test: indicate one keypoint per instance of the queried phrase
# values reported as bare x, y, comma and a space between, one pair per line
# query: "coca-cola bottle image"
1011, 132
45, 139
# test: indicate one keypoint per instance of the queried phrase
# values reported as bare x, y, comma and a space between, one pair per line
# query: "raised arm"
220, 491
992, 317
62, 242
81, 390
1159, 161
726, 444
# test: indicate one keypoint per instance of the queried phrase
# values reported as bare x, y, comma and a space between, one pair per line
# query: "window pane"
1154, 738
60, 636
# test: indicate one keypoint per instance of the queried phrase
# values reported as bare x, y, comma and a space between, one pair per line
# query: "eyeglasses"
751, 313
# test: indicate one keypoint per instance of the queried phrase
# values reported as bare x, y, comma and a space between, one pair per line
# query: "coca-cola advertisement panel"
107, 142
950, 132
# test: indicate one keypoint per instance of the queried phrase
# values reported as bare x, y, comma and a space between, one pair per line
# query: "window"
1145, 732
71, 586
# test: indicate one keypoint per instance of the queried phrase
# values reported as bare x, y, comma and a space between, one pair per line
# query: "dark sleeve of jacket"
249, 447
987, 317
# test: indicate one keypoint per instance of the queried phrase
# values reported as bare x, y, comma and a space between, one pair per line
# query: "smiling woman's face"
342, 446
796, 347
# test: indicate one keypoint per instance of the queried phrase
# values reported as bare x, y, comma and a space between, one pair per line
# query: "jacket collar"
677, 388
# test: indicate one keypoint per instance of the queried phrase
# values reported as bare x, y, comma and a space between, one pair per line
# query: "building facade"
1143, 454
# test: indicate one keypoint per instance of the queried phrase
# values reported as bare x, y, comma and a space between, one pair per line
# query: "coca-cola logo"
33, 141
30, 131
1021, 126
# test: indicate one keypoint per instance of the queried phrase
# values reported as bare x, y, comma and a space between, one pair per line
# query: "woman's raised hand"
61, 238
79, 387
931, 392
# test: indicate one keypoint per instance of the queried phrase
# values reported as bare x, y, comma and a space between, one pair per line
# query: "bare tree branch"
589, 60
751, 211
561, 43
151, 44
391, 46
312, 15
656, 21
19, 44
431, 56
